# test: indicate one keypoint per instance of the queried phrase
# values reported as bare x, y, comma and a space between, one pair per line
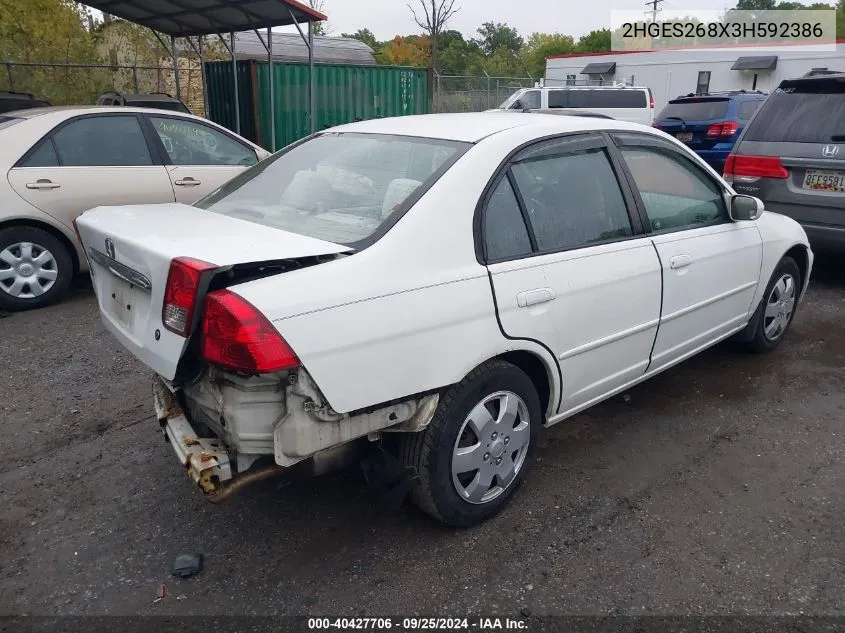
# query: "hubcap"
779, 308
491, 447
27, 270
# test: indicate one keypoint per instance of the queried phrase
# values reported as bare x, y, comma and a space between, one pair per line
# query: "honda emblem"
109, 248
830, 151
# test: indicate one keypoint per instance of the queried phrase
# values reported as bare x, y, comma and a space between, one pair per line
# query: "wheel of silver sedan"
27, 270
491, 447
779, 307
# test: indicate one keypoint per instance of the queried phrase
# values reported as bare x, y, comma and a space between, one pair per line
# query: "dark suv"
709, 123
158, 100
11, 101
792, 156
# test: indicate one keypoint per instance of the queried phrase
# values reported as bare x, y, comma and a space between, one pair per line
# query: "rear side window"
44, 156
695, 110
812, 114
572, 199
103, 141
747, 109
504, 229
601, 98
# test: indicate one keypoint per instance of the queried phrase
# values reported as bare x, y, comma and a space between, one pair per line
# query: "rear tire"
777, 309
478, 447
35, 268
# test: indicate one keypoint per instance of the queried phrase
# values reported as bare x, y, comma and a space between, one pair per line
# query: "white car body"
49, 197
623, 103
382, 332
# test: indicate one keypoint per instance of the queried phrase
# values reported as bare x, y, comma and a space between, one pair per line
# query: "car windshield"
511, 101
337, 187
698, 110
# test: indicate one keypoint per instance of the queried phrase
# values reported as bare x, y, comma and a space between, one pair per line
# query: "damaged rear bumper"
206, 460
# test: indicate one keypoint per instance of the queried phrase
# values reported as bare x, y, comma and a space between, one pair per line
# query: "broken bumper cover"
206, 460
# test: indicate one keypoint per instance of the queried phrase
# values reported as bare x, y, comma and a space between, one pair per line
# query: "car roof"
728, 94
472, 127
78, 110
147, 96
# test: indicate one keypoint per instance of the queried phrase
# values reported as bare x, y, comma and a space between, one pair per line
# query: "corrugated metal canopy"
188, 18
599, 68
755, 63
290, 47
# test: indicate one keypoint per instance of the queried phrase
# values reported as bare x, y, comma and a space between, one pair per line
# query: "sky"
386, 18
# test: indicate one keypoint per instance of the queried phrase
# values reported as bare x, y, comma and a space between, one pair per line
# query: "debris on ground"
162, 591
187, 565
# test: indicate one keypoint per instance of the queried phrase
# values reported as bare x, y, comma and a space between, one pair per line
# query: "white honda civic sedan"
432, 290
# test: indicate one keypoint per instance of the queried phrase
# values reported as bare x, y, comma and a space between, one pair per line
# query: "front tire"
35, 268
478, 447
777, 310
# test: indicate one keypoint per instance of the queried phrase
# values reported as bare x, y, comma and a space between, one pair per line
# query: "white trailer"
674, 72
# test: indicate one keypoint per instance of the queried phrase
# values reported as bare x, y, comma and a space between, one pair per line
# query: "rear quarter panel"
412, 313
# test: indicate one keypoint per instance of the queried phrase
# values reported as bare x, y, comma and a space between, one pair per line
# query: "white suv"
624, 103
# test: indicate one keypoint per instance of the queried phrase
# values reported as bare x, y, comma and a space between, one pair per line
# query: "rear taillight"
749, 168
237, 336
655, 124
650, 100
180, 295
728, 128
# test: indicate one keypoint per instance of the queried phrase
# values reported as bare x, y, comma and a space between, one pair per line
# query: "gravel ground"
715, 488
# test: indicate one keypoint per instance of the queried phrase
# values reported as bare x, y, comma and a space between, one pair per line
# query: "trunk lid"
130, 249
689, 119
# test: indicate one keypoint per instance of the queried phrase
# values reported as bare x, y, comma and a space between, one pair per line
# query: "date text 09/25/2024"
417, 624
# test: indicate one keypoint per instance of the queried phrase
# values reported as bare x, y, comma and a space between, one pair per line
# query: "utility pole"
655, 8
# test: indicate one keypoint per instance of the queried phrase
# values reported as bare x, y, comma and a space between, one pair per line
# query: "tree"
596, 41
498, 35
542, 45
50, 32
455, 54
435, 15
319, 28
366, 36
413, 50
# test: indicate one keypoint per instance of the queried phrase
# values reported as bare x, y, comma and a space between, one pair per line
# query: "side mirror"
744, 208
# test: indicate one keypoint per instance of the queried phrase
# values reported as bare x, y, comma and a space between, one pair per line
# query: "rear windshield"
8, 121
336, 187
798, 114
698, 110
597, 98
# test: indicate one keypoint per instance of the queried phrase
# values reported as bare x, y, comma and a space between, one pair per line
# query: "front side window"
103, 141
191, 143
336, 187
573, 199
677, 195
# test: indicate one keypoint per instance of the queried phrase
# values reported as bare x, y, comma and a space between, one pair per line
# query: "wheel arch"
801, 254
544, 377
52, 230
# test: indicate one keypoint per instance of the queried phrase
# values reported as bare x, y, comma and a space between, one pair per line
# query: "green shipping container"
343, 93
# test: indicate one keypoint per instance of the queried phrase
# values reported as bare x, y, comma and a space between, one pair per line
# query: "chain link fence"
82, 84
474, 93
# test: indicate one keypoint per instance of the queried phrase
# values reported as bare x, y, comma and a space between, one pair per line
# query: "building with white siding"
674, 72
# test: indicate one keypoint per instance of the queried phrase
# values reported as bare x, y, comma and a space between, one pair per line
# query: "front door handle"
680, 261
187, 181
533, 297
43, 183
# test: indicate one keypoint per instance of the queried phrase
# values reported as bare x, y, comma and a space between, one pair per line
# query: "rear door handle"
43, 183
187, 181
680, 261
533, 297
